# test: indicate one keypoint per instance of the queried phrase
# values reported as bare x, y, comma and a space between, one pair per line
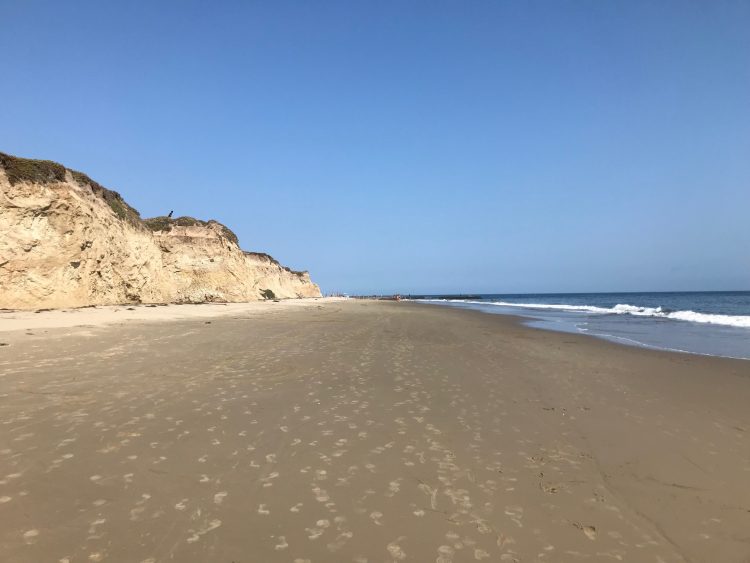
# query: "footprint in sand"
212, 525
590, 531
376, 516
445, 554
395, 550
282, 544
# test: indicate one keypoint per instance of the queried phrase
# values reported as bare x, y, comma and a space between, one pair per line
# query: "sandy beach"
360, 431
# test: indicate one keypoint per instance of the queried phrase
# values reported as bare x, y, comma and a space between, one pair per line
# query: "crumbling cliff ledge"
66, 241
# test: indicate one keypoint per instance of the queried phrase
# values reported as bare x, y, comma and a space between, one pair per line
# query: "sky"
412, 147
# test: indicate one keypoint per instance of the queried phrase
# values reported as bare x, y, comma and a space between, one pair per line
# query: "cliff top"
19, 170
272, 260
164, 223
47, 171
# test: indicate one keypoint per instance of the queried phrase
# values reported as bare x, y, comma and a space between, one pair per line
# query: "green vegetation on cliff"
164, 223
267, 294
46, 171
31, 170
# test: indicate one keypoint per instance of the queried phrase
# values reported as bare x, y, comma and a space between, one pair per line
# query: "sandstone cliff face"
205, 264
67, 242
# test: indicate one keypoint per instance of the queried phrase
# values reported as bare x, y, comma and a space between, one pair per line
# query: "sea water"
715, 323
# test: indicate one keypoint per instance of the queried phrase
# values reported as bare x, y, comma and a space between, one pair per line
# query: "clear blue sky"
410, 146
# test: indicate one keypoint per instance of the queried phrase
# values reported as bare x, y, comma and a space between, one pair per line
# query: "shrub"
162, 223
188, 222
267, 294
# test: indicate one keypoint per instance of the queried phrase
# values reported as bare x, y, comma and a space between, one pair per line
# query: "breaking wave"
622, 309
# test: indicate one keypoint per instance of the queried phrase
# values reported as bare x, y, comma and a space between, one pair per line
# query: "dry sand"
17, 321
363, 431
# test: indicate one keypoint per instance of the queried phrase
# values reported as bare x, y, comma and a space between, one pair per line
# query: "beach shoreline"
705, 323
355, 430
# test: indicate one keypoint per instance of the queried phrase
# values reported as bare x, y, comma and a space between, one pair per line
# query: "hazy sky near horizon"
410, 146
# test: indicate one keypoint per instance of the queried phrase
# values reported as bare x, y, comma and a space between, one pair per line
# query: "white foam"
727, 320
739, 321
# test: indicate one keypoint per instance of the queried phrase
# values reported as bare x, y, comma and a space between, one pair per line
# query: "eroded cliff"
65, 241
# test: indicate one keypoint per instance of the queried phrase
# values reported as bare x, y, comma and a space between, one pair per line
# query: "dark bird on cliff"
170, 213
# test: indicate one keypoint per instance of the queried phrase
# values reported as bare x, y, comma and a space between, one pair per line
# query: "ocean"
715, 323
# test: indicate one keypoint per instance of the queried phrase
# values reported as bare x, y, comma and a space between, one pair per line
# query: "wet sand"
366, 431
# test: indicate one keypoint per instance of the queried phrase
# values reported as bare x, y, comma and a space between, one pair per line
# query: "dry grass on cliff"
45, 171
113, 199
262, 256
31, 170
164, 223
272, 260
